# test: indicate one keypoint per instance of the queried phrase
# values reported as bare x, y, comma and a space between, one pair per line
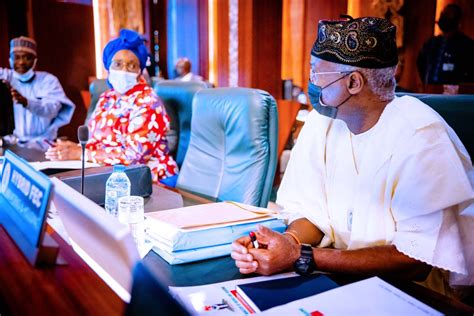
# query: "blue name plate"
24, 197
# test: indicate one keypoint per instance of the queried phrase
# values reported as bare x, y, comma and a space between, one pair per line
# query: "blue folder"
178, 240
267, 294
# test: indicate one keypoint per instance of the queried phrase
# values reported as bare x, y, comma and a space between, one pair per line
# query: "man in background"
446, 58
39, 103
183, 71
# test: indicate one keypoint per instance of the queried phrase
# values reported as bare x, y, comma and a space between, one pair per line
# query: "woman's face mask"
122, 81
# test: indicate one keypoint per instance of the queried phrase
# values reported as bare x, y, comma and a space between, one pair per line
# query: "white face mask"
122, 81
27, 75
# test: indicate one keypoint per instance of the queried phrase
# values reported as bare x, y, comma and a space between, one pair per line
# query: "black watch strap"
305, 265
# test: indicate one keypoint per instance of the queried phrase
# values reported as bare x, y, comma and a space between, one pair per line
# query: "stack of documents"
372, 296
368, 297
205, 231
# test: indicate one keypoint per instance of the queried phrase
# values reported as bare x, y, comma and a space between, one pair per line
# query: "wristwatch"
305, 264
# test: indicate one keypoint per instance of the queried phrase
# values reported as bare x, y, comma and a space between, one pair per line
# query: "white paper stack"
64, 164
205, 231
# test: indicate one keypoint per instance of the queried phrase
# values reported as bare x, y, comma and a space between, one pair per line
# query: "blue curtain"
183, 35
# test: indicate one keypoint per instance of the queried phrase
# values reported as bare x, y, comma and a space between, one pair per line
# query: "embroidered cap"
367, 42
23, 44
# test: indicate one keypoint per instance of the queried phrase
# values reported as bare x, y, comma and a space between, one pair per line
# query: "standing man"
447, 58
376, 184
40, 105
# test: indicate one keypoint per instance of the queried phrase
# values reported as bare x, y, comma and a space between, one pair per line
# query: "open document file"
368, 297
205, 231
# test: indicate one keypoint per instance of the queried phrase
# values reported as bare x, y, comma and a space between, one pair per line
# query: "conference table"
75, 289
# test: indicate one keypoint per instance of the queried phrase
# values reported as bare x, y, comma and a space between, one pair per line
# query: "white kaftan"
403, 183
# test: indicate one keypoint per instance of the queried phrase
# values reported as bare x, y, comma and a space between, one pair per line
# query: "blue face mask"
27, 76
314, 94
122, 81
315, 98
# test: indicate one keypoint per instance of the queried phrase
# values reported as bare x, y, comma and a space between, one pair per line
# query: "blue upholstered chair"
457, 111
178, 98
232, 154
96, 88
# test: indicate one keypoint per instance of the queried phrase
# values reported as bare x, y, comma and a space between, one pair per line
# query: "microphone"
83, 137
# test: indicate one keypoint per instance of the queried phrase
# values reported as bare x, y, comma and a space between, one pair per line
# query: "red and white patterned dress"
130, 129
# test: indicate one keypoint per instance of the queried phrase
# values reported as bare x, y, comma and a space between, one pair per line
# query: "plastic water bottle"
117, 185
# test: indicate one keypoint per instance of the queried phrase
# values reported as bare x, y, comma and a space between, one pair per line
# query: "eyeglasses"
331, 72
313, 74
23, 57
120, 64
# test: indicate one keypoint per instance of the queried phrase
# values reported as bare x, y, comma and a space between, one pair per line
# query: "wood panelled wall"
259, 44
260, 36
203, 18
65, 36
155, 13
418, 29
13, 23
222, 42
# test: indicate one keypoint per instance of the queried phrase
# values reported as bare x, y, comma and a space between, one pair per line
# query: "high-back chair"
96, 88
178, 99
232, 153
457, 111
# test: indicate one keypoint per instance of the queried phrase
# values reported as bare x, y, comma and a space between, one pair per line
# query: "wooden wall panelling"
13, 23
127, 14
245, 43
293, 41
267, 36
260, 27
4, 38
203, 35
65, 36
156, 19
222, 43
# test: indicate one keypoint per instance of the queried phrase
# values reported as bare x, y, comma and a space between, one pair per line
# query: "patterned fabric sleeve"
136, 136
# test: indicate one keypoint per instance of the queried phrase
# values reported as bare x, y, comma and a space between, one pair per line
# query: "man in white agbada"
376, 183
40, 105
183, 71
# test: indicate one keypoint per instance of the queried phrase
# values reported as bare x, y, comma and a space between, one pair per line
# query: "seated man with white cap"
40, 105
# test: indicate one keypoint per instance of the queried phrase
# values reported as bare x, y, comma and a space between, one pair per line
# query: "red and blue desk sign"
24, 201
